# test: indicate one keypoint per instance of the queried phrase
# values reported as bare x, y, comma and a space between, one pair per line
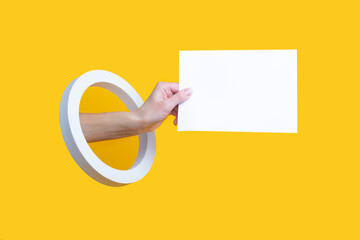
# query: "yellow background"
220, 185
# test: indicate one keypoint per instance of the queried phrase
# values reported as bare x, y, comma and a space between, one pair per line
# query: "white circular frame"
76, 142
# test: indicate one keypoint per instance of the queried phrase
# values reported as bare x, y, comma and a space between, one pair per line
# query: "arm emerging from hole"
162, 102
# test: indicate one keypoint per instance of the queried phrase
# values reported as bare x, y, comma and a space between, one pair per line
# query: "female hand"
162, 102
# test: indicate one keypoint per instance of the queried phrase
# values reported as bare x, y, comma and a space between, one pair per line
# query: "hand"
162, 102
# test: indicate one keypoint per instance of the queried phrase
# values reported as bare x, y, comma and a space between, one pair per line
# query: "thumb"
179, 97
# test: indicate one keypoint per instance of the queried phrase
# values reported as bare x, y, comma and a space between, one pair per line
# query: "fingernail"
188, 91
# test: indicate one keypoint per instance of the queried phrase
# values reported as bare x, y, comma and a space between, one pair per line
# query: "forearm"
110, 125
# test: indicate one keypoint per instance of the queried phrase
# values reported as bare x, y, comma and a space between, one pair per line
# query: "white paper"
239, 91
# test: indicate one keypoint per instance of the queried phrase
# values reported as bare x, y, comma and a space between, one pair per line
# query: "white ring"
76, 142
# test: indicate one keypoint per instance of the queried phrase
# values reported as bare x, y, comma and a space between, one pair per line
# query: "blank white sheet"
239, 91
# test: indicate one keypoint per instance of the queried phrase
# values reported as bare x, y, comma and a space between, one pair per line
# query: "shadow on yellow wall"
119, 153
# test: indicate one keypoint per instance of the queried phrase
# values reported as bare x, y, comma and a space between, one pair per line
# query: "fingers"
173, 86
174, 112
179, 97
169, 103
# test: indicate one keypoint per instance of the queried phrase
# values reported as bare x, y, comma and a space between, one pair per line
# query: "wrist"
125, 124
139, 122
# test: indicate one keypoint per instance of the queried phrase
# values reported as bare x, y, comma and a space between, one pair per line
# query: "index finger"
174, 86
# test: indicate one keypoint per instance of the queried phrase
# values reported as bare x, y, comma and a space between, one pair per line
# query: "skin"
162, 102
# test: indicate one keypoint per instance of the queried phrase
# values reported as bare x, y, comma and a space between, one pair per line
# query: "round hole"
118, 153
